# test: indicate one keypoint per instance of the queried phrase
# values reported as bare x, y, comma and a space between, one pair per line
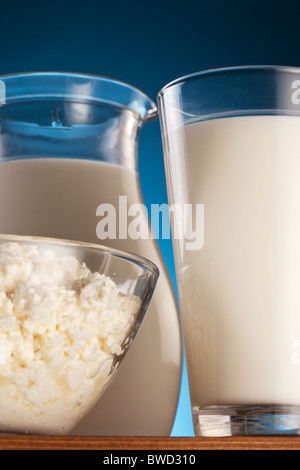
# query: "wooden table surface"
22, 442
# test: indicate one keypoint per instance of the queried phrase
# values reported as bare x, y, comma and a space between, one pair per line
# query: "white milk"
59, 198
240, 294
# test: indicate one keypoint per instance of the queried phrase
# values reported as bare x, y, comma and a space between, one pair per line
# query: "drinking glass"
232, 160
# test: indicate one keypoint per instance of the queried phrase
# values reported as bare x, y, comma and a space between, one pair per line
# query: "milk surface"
240, 294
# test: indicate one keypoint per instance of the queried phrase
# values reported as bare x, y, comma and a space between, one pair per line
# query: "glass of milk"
231, 142
69, 169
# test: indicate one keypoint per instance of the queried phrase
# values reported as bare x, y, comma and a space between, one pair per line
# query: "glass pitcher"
68, 151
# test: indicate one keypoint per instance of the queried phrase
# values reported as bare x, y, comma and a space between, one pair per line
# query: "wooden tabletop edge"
25, 442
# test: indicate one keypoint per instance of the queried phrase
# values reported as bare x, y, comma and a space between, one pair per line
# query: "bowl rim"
129, 256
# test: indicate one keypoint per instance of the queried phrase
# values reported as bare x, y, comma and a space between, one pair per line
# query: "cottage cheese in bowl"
62, 327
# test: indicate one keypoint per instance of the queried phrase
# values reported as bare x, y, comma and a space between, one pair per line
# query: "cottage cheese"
61, 327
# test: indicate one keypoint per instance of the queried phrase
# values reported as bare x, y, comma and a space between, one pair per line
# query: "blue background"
148, 44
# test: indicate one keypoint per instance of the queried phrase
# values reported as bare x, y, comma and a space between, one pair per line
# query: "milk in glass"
239, 294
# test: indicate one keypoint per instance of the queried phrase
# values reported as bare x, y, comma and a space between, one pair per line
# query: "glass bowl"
69, 312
